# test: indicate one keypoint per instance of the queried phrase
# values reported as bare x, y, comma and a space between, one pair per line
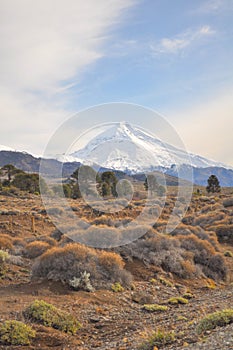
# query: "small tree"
28, 182
108, 179
9, 170
105, 189
213, 184
152, 185
87, 178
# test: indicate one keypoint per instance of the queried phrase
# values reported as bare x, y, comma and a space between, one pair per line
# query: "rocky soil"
111, 320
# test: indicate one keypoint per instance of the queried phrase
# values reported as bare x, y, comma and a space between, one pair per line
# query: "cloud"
213, 6
207, 128
177, 44
46, 46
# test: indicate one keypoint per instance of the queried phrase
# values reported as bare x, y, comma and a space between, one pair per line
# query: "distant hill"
200, 175
29, 163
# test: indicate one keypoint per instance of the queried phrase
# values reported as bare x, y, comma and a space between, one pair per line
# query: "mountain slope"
126, 148
29, 163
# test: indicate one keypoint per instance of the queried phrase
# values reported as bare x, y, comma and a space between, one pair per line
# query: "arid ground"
120, 320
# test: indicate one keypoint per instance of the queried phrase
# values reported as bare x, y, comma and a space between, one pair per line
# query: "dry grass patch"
6, 242
35, 249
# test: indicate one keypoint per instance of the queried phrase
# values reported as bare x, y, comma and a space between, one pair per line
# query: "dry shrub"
110, 260
19, 245
188, 268
96, 236
182, 230
103, 220
185, 230
211, 208
57, 235
162, 251
35, 249
208, 219
51, 241
74, 259
6, 242
224, 233
184, 256
188, 220
19, 242
213, 265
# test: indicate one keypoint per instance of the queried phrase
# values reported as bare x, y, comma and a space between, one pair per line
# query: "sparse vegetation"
216, 319
48, 315
158, 339
16, 333
155, 307
228, 254
177, 300
117, 287
158, 262
3, 257
6, 242
165, 281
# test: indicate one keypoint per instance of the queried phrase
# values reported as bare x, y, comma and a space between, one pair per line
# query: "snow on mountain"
5, 148
128, 148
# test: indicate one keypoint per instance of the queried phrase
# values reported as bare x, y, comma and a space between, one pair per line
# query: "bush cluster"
183, 255
71, 261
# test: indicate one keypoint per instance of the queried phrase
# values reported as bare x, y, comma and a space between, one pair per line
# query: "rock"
228, 202
142, 298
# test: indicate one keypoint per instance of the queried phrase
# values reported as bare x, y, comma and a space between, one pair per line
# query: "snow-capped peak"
129, 148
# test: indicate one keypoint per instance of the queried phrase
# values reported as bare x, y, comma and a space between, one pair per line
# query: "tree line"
105, 183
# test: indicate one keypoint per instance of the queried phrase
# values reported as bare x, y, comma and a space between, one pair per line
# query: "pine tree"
213, 184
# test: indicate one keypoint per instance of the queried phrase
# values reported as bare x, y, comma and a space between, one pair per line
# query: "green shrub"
117, 287
16, 333
228, 254
158, 339
211, 321
48, 315
154, 307
188, 295
177, 300
165, 282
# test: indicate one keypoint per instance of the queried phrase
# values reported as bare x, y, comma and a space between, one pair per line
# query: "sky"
59, 57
